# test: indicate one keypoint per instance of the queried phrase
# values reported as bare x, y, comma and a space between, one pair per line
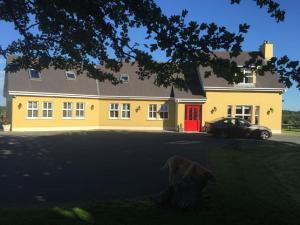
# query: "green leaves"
66, 34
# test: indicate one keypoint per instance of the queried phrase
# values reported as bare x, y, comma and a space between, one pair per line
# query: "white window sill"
113, 118
67, 118
124, 118
152, 119
32, 118
46, 118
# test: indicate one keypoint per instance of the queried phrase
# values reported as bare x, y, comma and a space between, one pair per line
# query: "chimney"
267, 50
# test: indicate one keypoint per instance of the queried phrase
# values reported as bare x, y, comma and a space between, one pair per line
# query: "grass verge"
255, 185
294, 132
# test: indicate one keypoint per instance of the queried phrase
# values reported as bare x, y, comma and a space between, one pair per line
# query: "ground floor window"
80, 109
47, 109
152, 111
113, 111
67, 109
257, 109
229, 111
164, 112
32, 109
126, 111
243, 112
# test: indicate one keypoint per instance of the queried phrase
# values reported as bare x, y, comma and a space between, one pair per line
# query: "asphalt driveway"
88, 166
71, 167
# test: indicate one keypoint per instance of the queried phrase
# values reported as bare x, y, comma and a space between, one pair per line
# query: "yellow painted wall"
139, 114
266, 100
98, 117
20, 119
180, 110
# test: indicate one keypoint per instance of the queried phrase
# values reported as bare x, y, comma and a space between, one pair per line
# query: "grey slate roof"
269, 80
52, 81
137, 87
55, 81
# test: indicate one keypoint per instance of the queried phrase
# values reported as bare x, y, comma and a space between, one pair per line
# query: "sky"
284, 35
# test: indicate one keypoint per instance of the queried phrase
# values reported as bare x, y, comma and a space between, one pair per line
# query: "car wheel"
264, 134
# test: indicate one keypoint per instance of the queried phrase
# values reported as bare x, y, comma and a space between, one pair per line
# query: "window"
229, 111
47, 110
79, 110
256, 115
243, 112
164, 112
34, 74
70, 75
126, 111
152, 111
248, 79
32, 109
124, 78
67, 109
113, 110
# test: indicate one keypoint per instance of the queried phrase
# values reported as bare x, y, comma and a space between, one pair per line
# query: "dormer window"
71, 75
124, 78
249, 76
34, 74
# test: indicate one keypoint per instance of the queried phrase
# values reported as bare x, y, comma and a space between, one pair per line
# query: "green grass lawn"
291, 131
255, 185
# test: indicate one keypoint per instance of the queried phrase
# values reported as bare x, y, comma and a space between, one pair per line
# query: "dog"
181, 169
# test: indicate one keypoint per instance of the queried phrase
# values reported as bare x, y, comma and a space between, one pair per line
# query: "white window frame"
248, 73
152, 113
70, 72
165, 111
47, 110
243, 114
257, 115
114, 108
125, 112
32, 110
67, 109
122, 76
34, 78
80, 111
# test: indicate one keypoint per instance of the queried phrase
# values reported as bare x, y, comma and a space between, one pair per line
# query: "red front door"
192, 120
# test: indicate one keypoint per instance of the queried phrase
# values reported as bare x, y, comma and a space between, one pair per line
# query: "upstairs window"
249, 76
34, 74
124, 78
70, 75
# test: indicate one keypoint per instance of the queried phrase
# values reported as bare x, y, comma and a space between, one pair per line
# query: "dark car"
237, 127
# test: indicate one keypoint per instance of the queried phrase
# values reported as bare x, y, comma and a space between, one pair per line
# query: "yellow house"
61, 100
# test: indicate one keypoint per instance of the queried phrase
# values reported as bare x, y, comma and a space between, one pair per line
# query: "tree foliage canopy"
81, 33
